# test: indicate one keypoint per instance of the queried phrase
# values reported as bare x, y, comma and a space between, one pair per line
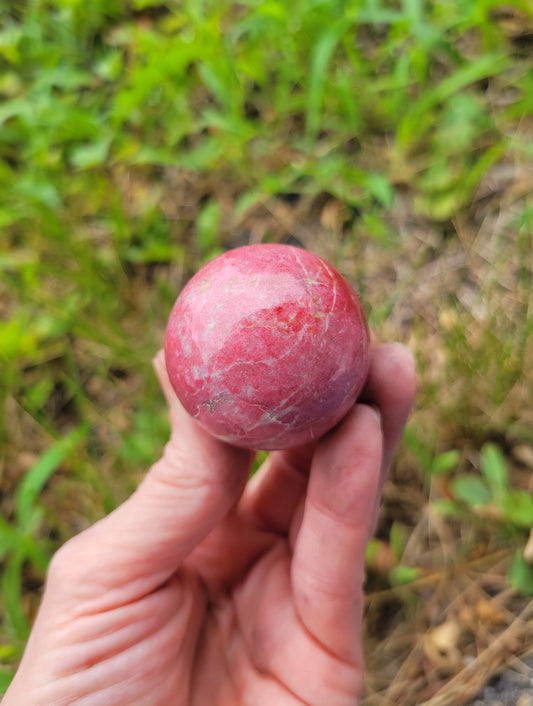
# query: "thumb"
182, 498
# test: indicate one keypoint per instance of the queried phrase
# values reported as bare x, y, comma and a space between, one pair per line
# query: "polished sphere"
267, 346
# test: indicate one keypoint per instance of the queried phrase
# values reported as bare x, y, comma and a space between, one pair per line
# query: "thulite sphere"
267, 346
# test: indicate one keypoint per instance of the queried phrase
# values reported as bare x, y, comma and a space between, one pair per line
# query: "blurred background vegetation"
138, 139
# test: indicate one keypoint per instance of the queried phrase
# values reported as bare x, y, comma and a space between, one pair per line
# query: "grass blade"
11, 594
39, 474
6, 677
320, 59
487, 65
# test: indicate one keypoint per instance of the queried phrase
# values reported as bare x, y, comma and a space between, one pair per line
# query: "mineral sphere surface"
267, 346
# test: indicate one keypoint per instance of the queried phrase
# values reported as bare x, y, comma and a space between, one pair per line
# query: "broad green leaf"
445, 462
90, 155
16, 107
398, 539
520, 575
372, 549
471, 490
517, 506
381, 189
422, 452
64, 76
401, 575
494, 470
41, 192
445, 508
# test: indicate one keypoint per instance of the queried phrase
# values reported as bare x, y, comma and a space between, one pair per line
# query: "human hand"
201, 589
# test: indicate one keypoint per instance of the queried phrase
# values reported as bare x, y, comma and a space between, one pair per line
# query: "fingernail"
402, 353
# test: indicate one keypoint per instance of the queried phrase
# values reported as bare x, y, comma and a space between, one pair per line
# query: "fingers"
328, 562
279, 646
391, 387
184, 495
276, 489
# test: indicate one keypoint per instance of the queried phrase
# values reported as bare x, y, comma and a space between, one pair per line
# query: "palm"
235, 644
219, 632
252, 646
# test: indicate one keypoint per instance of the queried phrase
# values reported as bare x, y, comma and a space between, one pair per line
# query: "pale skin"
205, 589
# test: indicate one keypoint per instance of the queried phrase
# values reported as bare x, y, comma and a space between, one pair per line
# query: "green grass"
139, 139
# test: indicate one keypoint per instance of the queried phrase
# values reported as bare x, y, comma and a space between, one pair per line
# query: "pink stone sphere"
267, 346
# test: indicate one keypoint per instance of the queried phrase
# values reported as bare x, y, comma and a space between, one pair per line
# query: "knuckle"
64, 566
